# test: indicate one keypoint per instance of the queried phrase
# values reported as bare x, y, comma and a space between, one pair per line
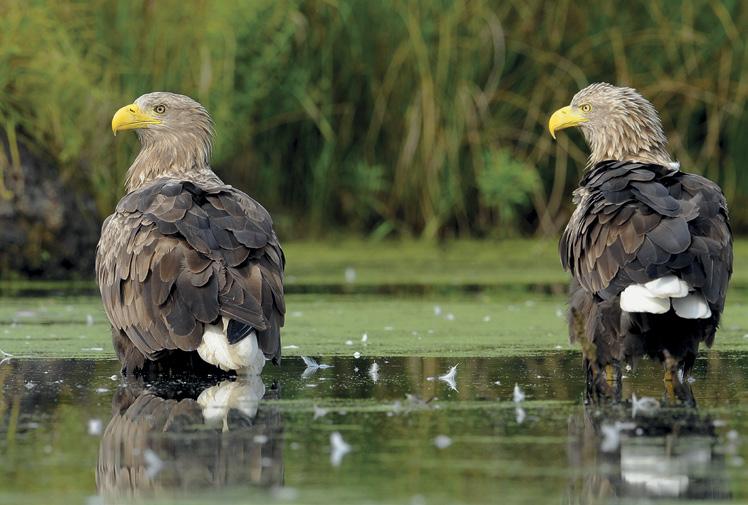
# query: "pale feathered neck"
629, 140
183, 155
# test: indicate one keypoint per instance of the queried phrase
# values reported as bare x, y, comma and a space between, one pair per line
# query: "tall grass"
391, 117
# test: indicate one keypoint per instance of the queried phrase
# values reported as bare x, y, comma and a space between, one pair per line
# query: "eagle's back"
637, 222
177, 256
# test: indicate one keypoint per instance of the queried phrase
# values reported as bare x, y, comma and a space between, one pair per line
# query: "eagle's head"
166, 117
617, 122
175, 132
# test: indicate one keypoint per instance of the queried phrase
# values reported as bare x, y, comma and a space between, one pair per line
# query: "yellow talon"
610, 373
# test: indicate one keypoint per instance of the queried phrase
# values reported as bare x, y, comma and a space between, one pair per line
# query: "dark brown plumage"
184, 251
639, 221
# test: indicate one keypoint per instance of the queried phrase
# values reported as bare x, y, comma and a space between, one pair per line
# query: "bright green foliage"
507, 185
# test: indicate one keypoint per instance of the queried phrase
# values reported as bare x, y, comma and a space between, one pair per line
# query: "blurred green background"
378, 120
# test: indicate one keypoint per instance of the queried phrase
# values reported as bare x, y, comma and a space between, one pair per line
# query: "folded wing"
175, 257
638, 222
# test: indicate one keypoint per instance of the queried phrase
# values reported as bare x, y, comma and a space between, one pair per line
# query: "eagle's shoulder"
209, 217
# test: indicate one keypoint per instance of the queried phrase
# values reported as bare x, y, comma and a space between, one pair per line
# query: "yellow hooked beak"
130, 117
565, 117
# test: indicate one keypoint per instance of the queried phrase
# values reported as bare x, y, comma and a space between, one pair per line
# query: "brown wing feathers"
636, 222
175, 257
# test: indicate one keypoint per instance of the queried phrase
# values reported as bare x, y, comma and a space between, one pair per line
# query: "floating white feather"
645, 405
374, 372
338, 448
319, 412
312, 366
312, 363
449, 378
442, 441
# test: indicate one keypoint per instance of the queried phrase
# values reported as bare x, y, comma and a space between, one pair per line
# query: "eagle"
649, 247
189, 268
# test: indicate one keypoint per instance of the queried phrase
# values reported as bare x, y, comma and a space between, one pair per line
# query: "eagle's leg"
614, 378
589, 389
668, 381
131, 358
683, 385
671, 368
683, 392
598, 388
591, 324
677, 387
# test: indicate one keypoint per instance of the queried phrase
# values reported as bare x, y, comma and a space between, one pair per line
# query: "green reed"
393, 117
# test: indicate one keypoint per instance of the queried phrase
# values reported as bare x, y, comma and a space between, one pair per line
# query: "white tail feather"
669, 286
216, 350
655, 297
693, 306
637, 298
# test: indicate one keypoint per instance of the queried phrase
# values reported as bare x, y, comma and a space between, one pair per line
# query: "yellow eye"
586, 107
159, 109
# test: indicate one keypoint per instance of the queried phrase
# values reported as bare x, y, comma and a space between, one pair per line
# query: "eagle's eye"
586, 107
159, 109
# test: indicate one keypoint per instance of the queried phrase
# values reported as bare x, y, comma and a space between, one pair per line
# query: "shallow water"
75, 431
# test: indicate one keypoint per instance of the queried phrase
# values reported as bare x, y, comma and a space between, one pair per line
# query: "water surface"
75, 431
377, 428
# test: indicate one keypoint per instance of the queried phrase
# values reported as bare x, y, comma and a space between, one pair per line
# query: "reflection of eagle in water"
649, 246
178, 436
189, 268
667, 454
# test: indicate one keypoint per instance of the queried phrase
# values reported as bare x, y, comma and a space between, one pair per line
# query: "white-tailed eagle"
189, 268
649, 246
